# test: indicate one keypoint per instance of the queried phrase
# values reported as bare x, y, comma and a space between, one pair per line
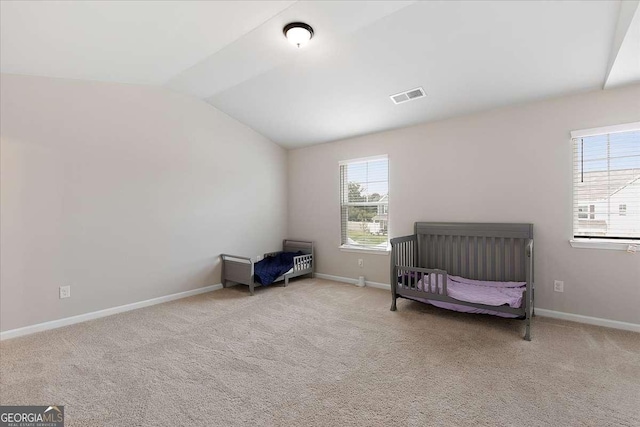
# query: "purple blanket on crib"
478, 291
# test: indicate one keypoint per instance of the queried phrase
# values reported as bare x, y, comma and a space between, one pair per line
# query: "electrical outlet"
360, 263
65, 291
558, 285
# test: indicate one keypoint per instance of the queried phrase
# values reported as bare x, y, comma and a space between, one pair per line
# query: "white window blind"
364, 203
606, 183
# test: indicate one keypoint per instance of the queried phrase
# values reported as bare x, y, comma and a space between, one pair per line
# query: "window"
582, 212
364, 203
606, 183
622, 210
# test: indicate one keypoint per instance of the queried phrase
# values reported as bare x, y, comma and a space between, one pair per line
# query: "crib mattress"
477, 291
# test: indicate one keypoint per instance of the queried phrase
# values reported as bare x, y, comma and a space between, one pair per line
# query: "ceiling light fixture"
298, 33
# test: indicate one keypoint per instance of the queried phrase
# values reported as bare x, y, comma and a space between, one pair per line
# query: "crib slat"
448, 253
432, 252
463, 256
505, 267
496, 259
479, 257
405, 248
508, 258
460, 256
471, 257
500, 263
516, 259
489, 259
427, 251
407, 256
412, 254
406, 253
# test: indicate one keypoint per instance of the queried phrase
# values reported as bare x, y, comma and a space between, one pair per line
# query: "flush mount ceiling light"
298, 33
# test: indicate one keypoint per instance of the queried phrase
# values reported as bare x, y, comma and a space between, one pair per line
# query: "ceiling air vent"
409, 95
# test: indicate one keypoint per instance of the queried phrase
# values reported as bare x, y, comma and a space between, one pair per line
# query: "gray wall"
507, 165
125, 193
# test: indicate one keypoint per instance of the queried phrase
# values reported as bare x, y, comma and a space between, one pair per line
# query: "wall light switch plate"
558, 285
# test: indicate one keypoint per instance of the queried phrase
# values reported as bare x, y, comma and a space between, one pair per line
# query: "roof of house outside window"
619, 179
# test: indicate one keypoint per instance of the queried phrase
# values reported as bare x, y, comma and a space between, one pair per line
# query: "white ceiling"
468, 56
625, 55
145, 42
266, 48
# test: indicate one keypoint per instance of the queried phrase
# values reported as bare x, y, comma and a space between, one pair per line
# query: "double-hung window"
364, 203
606, 185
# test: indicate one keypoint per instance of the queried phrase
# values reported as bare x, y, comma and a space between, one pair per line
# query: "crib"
422, 263
241, 269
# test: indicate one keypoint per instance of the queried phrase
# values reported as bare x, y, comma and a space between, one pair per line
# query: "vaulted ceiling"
468, 56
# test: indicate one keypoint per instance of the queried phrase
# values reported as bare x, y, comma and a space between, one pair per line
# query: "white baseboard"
14, 333
353, 281
615, 324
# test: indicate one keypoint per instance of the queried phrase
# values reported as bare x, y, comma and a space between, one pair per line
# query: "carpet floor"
320, 353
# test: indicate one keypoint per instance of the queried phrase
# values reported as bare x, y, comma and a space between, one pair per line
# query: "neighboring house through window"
364, 203
606, 183
582, 212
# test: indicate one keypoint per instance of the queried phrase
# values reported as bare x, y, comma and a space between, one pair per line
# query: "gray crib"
240, 269
481, 251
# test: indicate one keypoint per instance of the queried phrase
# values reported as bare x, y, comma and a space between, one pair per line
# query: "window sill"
346, 248
615, 245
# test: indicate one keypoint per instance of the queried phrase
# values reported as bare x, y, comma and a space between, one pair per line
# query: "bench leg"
251, 289
286, 281
393, 303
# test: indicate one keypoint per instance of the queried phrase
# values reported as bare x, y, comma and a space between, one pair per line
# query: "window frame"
628, 244
345, 247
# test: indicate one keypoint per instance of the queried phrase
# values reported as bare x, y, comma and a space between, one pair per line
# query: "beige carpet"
322, 353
